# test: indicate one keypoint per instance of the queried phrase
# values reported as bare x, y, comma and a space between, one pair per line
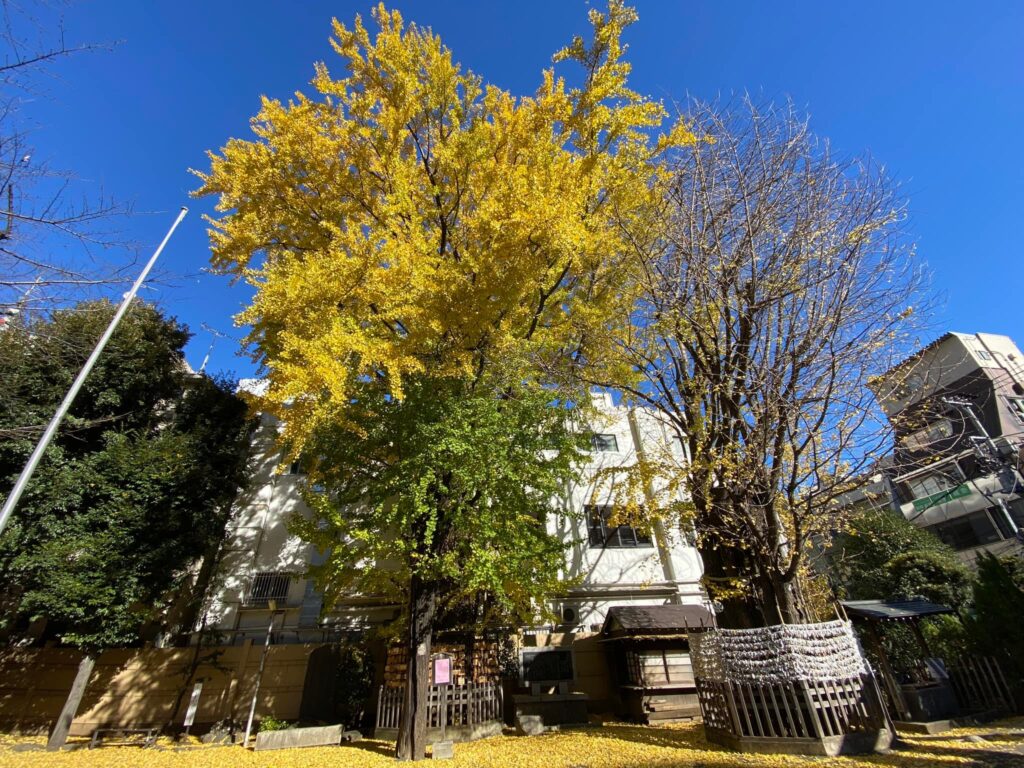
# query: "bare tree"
781, 284
51, 239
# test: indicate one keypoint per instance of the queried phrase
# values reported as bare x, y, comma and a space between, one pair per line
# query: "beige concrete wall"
136, 687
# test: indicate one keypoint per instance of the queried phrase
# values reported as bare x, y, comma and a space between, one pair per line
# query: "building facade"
957, 410
262, 584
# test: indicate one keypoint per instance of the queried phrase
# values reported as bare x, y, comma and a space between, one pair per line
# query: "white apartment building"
262, 572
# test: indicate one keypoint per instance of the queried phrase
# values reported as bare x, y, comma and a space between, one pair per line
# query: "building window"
982, 354
547, 665
1017, 511
968, 531
659, 667
602, 534
928, 436
1016, 407
268, 586
604, 443
923, 486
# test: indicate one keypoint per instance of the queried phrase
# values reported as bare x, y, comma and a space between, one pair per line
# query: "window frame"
600, 535
1016, 405
929, 435
951, 531
265, 586
599, 442
637, 668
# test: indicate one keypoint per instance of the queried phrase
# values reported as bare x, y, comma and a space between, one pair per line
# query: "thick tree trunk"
412, 726
59, 735
777, 599
721, 562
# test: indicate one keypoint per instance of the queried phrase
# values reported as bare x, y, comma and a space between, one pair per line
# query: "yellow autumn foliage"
610, 746
409, 218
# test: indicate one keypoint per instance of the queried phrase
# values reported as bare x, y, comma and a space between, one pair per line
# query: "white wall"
259, 540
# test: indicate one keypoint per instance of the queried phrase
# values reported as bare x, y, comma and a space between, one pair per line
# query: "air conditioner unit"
568, 614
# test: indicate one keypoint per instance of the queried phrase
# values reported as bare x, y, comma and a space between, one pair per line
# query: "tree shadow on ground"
386, 748
932, 754
906, 753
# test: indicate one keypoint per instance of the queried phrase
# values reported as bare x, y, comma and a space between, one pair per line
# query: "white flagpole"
58, 417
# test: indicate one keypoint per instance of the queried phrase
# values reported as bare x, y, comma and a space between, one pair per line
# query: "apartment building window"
1016, 407
267, 586
968, 531
927, 437
603, 534
604, 443
1016, 510
930, 484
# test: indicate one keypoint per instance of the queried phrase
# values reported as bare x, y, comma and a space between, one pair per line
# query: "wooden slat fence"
792, 709
980, 685
469, 704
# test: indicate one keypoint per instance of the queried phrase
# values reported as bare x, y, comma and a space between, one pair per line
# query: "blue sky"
934, 90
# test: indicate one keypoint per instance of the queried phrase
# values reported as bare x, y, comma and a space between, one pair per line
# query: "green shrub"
271, 723
995, 626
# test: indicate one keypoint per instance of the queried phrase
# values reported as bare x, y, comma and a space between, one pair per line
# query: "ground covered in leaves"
611, 746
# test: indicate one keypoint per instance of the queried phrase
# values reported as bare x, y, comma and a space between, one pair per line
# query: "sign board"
193, 705
442, 670
941, 497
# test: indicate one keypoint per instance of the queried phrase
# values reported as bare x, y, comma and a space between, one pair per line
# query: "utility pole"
58, 417
989, 456
259, 674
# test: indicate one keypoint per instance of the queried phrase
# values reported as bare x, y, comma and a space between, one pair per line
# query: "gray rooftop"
894, 610
656, 619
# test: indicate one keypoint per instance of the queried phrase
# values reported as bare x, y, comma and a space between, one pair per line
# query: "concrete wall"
590, 666
140, 687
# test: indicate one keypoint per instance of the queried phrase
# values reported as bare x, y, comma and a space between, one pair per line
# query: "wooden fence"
469, 704
792, 709
980, 686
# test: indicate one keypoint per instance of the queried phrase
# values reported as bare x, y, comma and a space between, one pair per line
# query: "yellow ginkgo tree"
409, 224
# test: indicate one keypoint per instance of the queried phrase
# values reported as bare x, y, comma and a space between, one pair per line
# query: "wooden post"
915, 627
444, 711
887, 676
59, 735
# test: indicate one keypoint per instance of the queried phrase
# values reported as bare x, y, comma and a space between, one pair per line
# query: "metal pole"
965, 407
259, 678
58, 417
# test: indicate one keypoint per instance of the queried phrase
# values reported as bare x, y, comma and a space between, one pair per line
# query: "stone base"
321, 736
828, 746
932, 726
455, 733
442, 750
553, 709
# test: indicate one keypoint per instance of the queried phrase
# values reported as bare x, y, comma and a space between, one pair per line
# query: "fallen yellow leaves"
611, 746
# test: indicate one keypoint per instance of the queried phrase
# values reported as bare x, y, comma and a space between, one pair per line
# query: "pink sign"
442, 671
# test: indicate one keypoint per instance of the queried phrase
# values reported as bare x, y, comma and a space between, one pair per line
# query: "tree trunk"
59, 735
778, 604
721, 562
412, 725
